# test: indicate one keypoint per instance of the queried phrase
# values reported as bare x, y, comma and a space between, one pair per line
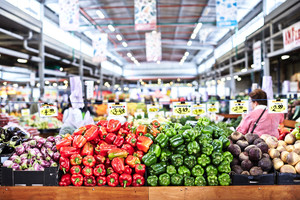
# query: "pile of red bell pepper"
283, 131
104, 154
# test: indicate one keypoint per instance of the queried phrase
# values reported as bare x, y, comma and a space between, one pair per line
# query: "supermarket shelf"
229, 116
152, 193
289, 123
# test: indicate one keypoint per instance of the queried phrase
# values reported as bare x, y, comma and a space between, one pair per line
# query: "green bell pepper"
203, 121
217, 158
207, 149
152, 180
183, 128
204, 138
157, 169
212, 180
149, 159
196, 133
197, 170
208, 130
170, 132
200, 181
225, 141
227, 156
149, 136
224, 179
187, 135
177, 160
203, 160
176, 179
211, 170
183, 170
155, 148
177, 126
217, 144
171, 170
162, 140
164, 179
176, 140
181, 150
189, 181
190, 161
165, 154
193, 147
224, 167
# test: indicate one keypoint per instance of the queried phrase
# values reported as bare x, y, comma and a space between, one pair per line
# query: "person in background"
268, 122
72, 114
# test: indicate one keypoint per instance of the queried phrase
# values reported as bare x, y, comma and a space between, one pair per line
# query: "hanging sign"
25, 112
212, 108
152, 110
291, 38
117, 109
48, 110
153, 46
182, 108
278, 106
69, 15
145, 15
238, 107
100, 48
199, 109
89, 89
257, 54
226, 13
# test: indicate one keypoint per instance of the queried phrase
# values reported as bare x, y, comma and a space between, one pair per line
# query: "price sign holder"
152, 108
117, 109
238, 107
48, 110
278, 106
199, 109
182, 108
212, 108
25, 112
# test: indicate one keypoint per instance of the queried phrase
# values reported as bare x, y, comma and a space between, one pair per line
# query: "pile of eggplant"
11, 137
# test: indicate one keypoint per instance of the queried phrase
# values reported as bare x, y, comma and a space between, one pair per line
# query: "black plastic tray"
48, 177
288, 179
264, 179
45, 131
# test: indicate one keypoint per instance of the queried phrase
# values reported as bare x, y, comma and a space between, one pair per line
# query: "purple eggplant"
23, 156
50, 139
17, 160
20, 149
8, 163
36, 150
56, 156
57, 138
37, 167
30, 169
39, 156
54, 149
13, 157
53, 163
49, 152
25, 145
44, 151
48, 145
32, 143
45, 164
24, 164
16, 166
48, 158
31, 153
41, 140
36, 138
39, 145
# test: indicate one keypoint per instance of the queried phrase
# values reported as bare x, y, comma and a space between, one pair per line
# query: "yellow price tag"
153, 109
48, 112
277, 108
212, 110
198, 111
182, 110
239, 109
25, 112
117, 111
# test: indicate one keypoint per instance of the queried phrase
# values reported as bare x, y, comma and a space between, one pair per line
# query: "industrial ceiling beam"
159, 6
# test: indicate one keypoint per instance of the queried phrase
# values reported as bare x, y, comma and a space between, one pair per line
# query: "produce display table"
152, 193
289, 123
229, 116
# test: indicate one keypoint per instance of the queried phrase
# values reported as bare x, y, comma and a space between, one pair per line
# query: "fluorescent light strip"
124, 44
111, 28
119, 37
129, 55
100, 14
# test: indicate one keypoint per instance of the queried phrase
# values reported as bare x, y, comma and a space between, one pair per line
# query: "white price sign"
278, 106
199, 109
182, 108
238, 107
117, 109
25, 112
213, 108
48, 110
152, 108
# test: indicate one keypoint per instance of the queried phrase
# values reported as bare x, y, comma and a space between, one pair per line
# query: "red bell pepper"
122, 132
113, 126
128, 148
125, 180
110, 138
127, 170
154, 131
80, 131
99, 170
91, 133
89, 161
127, 126
143, 143
68, 151
121, 153
131, 139
140, 169
89, 181
65, 142
75, 169
118, 141
155, 124
109, 170
102, 132
141, 130
87, 149
64, 164
113, 180
77, 179
79, 141
139, 154
87, 171
102, 123
138, 180
65, 180
99, 159
75, 159
101, 180
89, 126
95, 141
118, 165
102, 142
132, 161
103, 149
107, 163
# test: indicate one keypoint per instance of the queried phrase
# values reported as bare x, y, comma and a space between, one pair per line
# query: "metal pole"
101, 83
232, 81
113, 83
81, 68
278, 75
42, 54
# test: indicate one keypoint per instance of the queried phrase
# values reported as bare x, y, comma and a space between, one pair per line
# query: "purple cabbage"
54, 149
45, 164
15, 166
20, 149
8, 163
51, 139
24, 164
32, 143
50, 153
56, 156
53, 163
23, 156
48, 145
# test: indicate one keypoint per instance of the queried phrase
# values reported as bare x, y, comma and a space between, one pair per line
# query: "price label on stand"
117, 109
182, 108
212, 108
278, 106
152, 108
3, 110
48, 110
238, 107
199, 109
25, 112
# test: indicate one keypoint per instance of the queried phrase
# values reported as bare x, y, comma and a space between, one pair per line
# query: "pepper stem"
125, 182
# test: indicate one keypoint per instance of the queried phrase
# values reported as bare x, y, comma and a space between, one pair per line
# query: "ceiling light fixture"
61, 69
239, 79
189, 43
47, 82
193, 36
124, 44
158, 62
100, 14
111, 28
236, 77
284, 57
20, 60
263, 63
132, 58
119, 37
252, 66
244, 70
228, 78
186, 54
129, 55
198, 27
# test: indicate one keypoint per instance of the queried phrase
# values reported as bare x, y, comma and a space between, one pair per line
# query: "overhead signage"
145, 15
238, 107
278, 106
291, 37
117, 109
